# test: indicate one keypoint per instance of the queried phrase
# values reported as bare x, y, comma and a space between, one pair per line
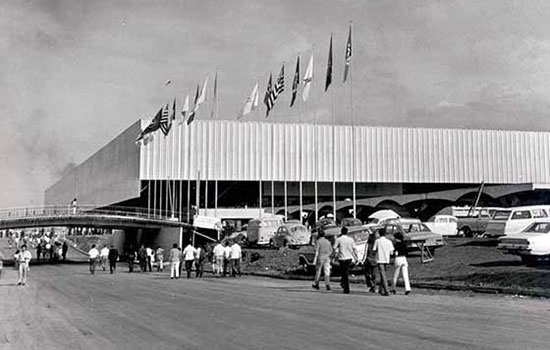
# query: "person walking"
159, 257
64, 249
38, 250
189, 258
199, 261
174, 262
346, 253
383, 248
93, 255
369, 262
23, 258
142, 258
103, 257
235, 259
130, 257
400, 263
150, 258
217, 263
113, 258
323, 254
226, 255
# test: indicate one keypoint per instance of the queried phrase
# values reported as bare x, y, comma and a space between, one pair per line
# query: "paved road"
63, 307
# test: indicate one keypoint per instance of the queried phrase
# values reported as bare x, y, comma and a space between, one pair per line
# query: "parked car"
290, 235
350, 222
414, 233
380, 217
473, 221
444, 224
514, 220
261, 230
532, 244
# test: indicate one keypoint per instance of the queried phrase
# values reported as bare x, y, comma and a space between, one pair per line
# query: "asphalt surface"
64, 307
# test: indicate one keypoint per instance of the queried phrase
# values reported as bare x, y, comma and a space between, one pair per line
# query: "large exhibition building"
309, 169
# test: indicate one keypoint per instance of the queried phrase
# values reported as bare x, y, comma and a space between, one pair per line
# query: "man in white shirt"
346, 253
217, 263
189, 258
23, 258
235, 259
103, 255
383, 248
93, 254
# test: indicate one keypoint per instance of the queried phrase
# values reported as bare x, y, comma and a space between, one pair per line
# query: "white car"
444, 224
532, 244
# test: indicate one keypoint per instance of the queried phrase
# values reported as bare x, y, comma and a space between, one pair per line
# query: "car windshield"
415, 227
297, 229
360, 236
538, 227
502, 214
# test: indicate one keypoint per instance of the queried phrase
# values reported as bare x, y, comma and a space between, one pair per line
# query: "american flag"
348, 55
269, 96
165, 120
280, 84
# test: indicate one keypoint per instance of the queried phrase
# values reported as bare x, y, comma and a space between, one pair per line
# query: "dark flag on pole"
195, 107
269, 96
280, 84
174, 110
165, 120
295, 82
153, 126
329, 66
348, 55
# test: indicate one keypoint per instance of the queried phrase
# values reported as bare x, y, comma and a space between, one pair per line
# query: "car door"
519, 220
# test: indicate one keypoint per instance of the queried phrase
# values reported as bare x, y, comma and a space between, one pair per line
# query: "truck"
472, 221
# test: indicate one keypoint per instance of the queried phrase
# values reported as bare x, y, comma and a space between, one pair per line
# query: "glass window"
539, 227
502, 214
539, 213
521, 214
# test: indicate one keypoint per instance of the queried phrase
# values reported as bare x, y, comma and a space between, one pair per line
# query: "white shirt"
93, 253
23, 257
149, 251
104, 252
235, 251
383, 248
345, 248
189, 253
227, 251
219, 251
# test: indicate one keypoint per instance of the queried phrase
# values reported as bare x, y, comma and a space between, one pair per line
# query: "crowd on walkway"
376, 258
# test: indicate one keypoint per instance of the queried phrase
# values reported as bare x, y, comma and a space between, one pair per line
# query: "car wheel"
465, 232
285, 243
271, 244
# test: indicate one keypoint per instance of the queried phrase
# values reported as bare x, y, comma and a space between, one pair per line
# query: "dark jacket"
113, 254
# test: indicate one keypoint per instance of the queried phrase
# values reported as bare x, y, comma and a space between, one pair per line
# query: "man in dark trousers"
346, 253
130, 257
142, 258
64, 249
113, 258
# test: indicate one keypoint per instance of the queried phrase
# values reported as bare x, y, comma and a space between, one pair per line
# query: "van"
261, 230
514, 220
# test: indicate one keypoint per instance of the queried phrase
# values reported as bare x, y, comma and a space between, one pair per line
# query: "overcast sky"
75, 73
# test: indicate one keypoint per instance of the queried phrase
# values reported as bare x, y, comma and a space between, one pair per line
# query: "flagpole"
316, 151
189, 135
354, 152
180, 168
216, 172
272, 168
333, 156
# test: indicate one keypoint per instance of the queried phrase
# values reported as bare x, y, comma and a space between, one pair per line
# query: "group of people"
224, 259
376, 257
97, 257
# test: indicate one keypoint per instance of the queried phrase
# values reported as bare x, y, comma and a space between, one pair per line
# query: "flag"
348, 55
268, 99
280, 84
165, 120
173, 117
329, 66
185, 108
202, 96
215, 98
295, 82
251, 102
195, 107
308, 77
153, 126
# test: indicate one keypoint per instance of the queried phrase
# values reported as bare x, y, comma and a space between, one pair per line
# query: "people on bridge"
200, 255
113, 258
323, 255
400, 263
189, 258
175, 261
346, 253
74, 206
383, 248
23, 258
103, 257
235, 259
159, 258
93, 255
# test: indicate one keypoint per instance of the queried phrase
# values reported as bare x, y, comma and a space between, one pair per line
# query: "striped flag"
295, 82
165, 120
173, 117
348, 55
280, 84
268, 99
329, 66
308, 77
195, 107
